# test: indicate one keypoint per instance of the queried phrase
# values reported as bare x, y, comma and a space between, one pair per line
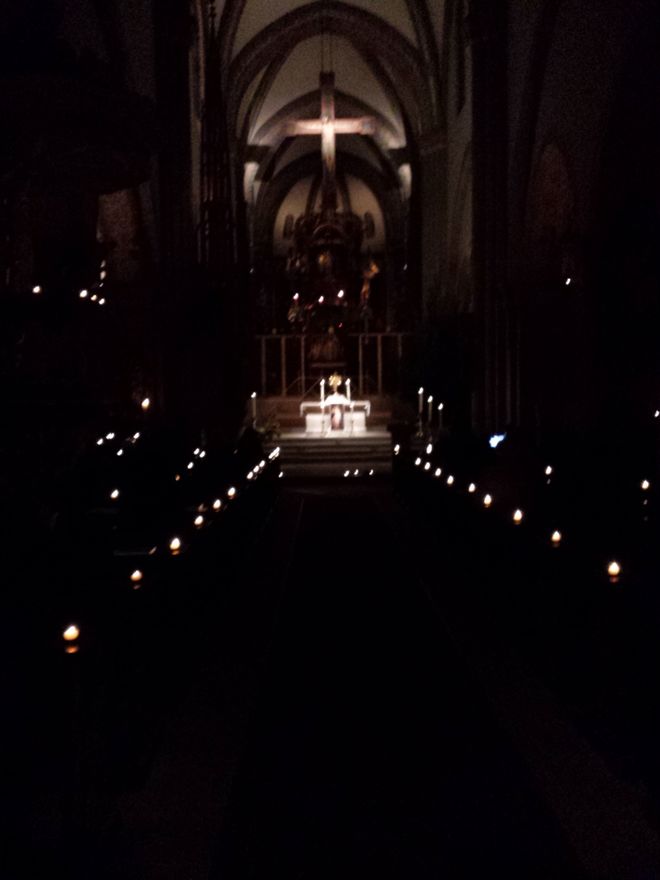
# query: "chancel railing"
290, 363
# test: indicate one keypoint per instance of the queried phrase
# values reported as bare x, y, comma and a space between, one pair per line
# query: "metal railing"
375, 358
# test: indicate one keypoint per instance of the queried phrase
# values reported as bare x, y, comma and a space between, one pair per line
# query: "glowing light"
427, 466
371, 472
296, 296
495, 440
100, 441
250, 475
146, 403
341, 294
175, 546
120, 452
83, 294
71, 649
110, 436
196, 451
199, 521
488, 500
36, 288
429, 449
231, 492
548, 471
430, 398
102, 275
71, 633
450, 480
202, 454
137, 576
437, 472
568, 281
418, 461
441, 406
420, 391
136, 436
472, 488
262, 463
93, 297
274, 454
614, 570
517, 516
190, 465
102, 301
280, 475
356, 473
397, 449
347, 473
645, 485
114, 494
177, 477
555, 537
321, 299
253, 396
217, 504
656, 414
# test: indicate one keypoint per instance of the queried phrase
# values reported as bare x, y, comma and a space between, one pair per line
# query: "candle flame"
71, 633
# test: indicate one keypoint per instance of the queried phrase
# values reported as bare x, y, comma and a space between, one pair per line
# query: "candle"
348, 390
253, 397
430, 412
517, 516
322, 391
556, 538
441, 407
614, 570
420, 401
175, 546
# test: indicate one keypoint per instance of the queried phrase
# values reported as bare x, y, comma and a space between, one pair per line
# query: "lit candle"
175, 546
146, 403
488, 500
420, 401
253, 398
441, 407
517, 516
614, 570
450, 480
555, 538
430, 409
645, 485
231, 493
199, 521
472, 488
217, 504
114, 494
136, 577
71, 633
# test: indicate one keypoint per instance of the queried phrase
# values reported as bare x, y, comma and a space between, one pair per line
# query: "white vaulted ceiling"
385, 59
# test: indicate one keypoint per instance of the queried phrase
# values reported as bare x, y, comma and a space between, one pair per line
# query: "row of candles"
71, 633
429, 405
613, 566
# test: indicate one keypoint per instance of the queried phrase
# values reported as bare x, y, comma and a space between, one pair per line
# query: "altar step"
331, 457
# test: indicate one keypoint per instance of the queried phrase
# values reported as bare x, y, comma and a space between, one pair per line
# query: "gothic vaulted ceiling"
384, 55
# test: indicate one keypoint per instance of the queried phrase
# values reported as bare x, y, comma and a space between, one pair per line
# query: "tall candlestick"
420, 401
253, 397
430, 413
441, 407
322, 391
348, 390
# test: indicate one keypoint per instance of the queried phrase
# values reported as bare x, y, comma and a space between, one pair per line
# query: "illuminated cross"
328, 126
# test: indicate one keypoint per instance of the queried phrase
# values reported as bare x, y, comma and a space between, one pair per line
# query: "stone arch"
370, 35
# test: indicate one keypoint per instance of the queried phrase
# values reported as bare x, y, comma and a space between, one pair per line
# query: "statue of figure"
368, 273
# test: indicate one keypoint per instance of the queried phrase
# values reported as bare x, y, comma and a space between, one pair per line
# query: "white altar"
335, 415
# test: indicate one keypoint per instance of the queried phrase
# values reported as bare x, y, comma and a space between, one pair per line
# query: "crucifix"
328, 126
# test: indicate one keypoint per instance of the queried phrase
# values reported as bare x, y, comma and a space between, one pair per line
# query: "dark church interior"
330, 439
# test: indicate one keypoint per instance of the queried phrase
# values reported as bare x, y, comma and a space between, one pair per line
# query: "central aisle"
372, 748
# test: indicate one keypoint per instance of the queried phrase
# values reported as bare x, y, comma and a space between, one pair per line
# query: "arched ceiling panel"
244, 108
300, 74
257, 14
